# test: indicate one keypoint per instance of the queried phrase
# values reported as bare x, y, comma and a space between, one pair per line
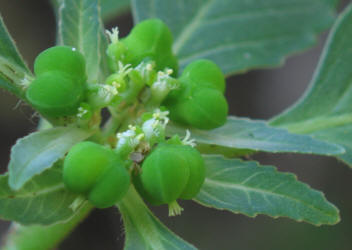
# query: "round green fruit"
203, 108
150, 39
55, 94
61, 58
97, 172
196, 178
204, 73
164, 175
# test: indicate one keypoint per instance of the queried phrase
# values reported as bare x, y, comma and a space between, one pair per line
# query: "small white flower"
25, 82
124, 69
187, 139
113, 34
129, 137
161, 116
81, 112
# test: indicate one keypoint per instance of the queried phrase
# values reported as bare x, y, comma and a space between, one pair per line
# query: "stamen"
113, 34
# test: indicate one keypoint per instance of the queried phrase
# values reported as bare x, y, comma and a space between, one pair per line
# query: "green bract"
61, 58
55, 94
148, 40
97, 172
116, 80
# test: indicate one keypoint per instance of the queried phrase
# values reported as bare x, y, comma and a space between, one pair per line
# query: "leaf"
39, 151
239, 35
80, 26
41, 237
143, 230
221, 150
109, 8
324, 111
12, 67
43, 200
113, 8
242, 133
251, 189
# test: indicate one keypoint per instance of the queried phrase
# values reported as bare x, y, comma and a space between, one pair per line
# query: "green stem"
114, 122
124, 112
138, 218
42, 237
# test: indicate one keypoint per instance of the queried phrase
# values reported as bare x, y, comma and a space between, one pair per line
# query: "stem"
114, 122
122, 115
138, 219
42, 237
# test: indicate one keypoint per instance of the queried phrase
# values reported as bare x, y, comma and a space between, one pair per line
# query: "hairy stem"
42, 237
138, 218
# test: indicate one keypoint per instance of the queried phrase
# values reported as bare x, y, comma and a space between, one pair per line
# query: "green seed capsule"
150, 39
61, 58
55, 94
97, 172
196, 166
164, 175
204, 73
203, 108
196, 179
111, 187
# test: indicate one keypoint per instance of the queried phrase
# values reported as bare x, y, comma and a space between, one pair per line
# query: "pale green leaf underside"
43, 200
113, 8
256, 135
325, 110
109, 8
143, 230
239, 35
39, 151
251, 189
80, 26
41, 237
12, 67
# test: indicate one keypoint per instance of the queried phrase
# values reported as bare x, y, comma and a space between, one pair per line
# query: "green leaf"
143, 230
113, 8
109, 8
12, 67
251, 189
239, 35
43, 200
221, 150
324, 111
39, 151
41, 237
242, 133
80, 26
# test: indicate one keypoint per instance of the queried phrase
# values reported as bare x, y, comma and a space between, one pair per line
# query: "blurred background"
258, 94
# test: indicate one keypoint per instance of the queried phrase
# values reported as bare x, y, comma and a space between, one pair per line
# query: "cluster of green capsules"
144, 80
